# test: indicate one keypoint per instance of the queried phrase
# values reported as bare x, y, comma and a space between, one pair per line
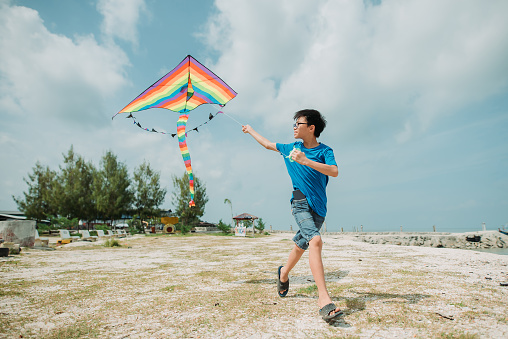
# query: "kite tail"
180, 131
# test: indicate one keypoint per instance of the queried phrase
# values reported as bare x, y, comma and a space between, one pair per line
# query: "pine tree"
181, 197
38, 202
148, 195
111, 188
73, 188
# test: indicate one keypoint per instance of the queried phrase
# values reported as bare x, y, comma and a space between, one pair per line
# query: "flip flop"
282, 286
326, 310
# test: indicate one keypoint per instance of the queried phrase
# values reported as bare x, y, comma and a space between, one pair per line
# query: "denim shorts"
308, 221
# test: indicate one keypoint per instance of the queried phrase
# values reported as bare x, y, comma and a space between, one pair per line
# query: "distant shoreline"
466, 240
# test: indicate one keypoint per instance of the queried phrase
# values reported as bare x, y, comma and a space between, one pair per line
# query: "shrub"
64, 223
45, 228
103, 227
183, 228
260, 225
112, 243
225, 228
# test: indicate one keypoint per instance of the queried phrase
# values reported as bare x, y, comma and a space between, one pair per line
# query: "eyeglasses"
296, 124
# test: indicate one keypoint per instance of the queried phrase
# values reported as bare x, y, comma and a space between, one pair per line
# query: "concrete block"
20, 232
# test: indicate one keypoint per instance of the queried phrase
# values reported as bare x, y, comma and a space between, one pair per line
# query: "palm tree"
227, 201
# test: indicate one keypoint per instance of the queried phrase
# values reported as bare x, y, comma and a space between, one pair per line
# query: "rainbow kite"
187, 86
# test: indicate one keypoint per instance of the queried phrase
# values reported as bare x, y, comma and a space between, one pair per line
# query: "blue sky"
415, 94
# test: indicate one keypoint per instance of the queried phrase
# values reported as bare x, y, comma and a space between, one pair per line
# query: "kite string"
231, 118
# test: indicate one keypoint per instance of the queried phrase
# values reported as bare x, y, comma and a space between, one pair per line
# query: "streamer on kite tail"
180, 130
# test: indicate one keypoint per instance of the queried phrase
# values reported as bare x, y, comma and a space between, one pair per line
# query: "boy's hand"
299, 157
246, 129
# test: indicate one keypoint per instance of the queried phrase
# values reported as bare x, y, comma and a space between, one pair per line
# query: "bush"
102, 227
260, 225
225, 228
183, 228
45, 228
112, 243
64, 223
135, 225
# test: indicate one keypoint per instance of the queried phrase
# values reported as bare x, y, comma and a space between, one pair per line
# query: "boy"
309, 164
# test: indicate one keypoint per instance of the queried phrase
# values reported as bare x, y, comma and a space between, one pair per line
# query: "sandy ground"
208, 286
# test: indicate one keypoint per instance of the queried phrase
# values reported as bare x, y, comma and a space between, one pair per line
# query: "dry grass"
216, 287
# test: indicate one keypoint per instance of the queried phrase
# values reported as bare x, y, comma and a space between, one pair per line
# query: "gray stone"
20, 232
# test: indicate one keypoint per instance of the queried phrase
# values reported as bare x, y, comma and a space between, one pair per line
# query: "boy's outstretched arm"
259, 138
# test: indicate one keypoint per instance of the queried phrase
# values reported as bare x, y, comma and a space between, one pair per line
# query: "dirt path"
208, 286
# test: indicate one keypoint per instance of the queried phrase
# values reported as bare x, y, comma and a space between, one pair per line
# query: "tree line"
79, 190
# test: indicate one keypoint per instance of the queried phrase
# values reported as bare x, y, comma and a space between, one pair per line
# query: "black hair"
313, 118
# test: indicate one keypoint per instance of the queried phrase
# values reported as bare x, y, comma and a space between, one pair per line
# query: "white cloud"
261, 43
49, 75
388, 69
121, 18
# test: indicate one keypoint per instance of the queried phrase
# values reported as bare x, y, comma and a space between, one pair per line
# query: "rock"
13, 248
470, 240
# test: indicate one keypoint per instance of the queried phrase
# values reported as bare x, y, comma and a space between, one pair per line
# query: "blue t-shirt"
309, 181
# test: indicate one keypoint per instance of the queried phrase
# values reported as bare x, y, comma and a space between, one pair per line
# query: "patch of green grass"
14, 264
455, 335
172, 288
207, 274
80, 329
222, 234
340, 288
112, 243
470, 315
165, 266
461, 304
412, 273
393, 315
14, 287
81, 248
10, 292
69, 272
220, 274
373, 320
503, 320
357, 304
312, 289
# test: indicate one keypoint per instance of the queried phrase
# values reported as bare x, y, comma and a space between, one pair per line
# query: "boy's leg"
294, 257
316, 266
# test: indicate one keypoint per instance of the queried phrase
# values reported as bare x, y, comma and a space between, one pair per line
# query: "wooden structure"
246, 216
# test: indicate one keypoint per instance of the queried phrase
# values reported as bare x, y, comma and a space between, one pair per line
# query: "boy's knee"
316, 241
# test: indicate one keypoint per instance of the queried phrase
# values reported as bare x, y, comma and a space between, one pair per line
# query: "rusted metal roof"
245, 216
